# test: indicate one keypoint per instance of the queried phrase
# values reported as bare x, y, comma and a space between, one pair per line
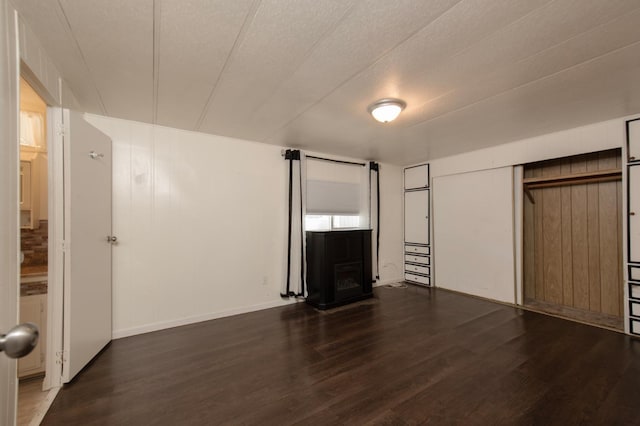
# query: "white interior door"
634, 214
416, 217
87, 282
9, 164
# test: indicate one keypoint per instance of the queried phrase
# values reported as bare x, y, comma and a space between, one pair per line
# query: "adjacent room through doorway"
34, 235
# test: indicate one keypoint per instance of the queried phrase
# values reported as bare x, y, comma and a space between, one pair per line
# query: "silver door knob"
111, 238
20, 340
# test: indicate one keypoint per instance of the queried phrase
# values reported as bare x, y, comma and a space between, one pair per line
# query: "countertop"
33, 280
28, 271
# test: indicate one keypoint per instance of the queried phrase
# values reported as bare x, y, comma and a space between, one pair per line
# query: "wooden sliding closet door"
573, 237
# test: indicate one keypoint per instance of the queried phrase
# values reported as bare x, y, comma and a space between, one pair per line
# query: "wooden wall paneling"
538, 259
573, 240
567, 246
552, 238
579, 239
593, 236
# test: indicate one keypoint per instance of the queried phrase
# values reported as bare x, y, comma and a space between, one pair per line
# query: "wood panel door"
573, 240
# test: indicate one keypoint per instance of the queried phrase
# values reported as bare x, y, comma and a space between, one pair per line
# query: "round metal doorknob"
20, 340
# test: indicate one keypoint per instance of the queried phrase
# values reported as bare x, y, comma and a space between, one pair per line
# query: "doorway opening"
572, 240
34, 246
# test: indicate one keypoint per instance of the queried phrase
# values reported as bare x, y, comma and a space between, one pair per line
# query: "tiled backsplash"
34, 245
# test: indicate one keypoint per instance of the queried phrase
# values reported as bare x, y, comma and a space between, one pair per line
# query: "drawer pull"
632, 213
632, 158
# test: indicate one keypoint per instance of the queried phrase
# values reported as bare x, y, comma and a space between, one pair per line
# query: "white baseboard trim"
162, 325
43, 407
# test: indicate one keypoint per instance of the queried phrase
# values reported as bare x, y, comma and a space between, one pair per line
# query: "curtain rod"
336, 161
282, 152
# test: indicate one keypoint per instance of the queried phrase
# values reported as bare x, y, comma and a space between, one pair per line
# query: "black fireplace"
338, 267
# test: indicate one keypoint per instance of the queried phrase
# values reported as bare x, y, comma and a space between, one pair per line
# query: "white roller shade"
335, 188
332, 197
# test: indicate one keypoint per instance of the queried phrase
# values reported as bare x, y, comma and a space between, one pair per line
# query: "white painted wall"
37, 67
391, 224
201, 223
595, 137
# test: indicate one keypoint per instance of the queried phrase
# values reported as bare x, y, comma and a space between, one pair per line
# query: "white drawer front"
634, 309
634, 291
634, 273
416, 249
416, 259
417, 269
635, 326
424, 280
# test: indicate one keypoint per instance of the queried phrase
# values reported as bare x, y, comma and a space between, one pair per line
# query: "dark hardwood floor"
408, 356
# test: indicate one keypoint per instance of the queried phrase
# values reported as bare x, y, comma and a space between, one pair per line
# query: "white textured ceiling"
300, 73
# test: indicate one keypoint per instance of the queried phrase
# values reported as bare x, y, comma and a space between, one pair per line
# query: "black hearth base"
325, 306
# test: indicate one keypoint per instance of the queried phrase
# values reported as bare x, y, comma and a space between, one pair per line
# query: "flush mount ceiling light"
386, 110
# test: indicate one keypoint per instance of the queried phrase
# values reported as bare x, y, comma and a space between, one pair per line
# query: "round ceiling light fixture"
386, 110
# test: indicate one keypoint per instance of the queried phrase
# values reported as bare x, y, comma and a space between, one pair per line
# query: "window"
330, 222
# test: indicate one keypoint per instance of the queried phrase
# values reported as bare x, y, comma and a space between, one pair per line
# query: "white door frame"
55, 293
55, 203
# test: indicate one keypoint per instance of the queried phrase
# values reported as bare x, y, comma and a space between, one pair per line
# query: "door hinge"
64, 245
60, 129
61, 357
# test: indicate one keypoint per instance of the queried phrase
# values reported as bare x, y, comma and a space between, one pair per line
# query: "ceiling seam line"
526, 84
378, 59
538, 53
84, 59
505, 27
313, 47
375, 61
248, 20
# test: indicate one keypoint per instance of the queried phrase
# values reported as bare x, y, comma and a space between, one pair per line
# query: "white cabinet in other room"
633, 133
634, 214
416, 217
34, 309
416, 177
25, 185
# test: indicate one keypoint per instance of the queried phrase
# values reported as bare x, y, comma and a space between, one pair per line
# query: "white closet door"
634, 140
87, 281
416, 177
416, 217
634, 214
